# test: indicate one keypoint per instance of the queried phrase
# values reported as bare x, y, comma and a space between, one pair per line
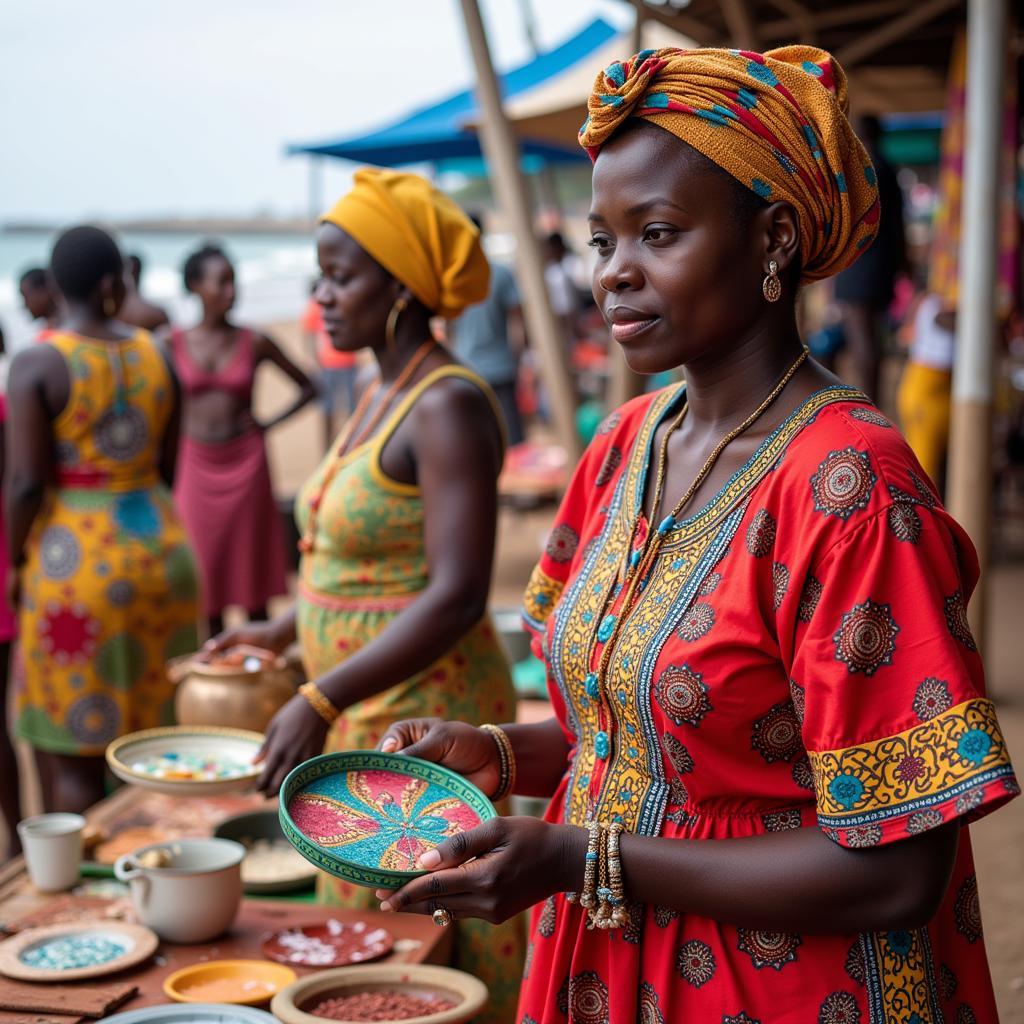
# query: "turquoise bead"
666, 524
590, 685
607, 627
634, 559
601, 745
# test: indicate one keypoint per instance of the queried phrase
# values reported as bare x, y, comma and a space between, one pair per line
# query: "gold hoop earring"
109, 307
772, 286
389, 328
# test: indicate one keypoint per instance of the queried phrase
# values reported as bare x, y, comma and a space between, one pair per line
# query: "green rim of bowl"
364, 760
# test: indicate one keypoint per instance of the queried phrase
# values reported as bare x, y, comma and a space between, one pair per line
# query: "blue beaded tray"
365, 816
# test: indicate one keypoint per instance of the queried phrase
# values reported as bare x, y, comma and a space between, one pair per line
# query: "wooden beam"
802, 16
837, 17
700, 32
741, 26
899, 27
503, 166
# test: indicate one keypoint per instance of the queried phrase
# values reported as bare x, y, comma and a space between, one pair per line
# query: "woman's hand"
295, 734
494, 871
464, 748
271, 636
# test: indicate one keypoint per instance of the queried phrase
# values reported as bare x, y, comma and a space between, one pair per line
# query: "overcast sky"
121, 108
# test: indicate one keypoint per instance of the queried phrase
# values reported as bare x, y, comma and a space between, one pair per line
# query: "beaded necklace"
642, 556
350, 439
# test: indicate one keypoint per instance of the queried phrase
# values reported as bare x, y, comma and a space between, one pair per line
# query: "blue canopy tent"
435, 133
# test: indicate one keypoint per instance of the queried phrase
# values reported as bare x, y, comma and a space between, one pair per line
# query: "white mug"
53, 849
194, 896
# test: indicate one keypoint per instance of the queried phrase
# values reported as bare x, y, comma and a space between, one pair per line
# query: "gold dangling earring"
772, 286
389, 328
109, 307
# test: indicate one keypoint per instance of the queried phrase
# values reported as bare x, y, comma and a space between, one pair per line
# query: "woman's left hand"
494, 871
295, 734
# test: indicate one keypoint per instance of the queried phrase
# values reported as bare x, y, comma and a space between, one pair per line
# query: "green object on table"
588, 419
530, 678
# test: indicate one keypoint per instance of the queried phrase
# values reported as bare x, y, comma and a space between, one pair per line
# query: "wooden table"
418, 940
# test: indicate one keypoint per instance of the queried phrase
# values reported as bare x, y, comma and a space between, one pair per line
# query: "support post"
970, 449
623, 383
502, 153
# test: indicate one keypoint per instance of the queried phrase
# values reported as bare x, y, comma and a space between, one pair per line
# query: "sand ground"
297, 446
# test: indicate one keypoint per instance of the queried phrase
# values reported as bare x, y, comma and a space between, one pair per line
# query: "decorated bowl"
366, 816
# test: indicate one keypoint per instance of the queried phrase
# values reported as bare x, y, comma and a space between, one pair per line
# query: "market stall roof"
895, 51
436, 132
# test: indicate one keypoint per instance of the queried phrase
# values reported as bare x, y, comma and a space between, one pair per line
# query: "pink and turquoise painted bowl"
365, 816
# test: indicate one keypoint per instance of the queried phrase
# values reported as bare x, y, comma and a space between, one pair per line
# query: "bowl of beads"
74, 951
366, 816
412, 993
187, 759
272, 864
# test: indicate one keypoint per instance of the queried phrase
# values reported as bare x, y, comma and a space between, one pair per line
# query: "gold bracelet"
506, 761
320, 702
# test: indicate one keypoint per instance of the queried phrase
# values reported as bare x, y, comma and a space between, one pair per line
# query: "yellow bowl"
239, 982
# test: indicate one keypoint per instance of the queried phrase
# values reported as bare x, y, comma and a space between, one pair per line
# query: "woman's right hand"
464, 748
271, 636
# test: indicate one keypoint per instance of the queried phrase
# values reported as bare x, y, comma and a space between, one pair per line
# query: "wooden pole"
502, 153
623, 383
970, 440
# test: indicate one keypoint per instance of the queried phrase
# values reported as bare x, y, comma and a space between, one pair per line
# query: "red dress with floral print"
798, 657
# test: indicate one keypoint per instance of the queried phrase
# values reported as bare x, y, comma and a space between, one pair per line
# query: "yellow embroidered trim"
958, 749
542, 594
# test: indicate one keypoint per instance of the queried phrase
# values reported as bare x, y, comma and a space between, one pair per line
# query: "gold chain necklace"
348, 440
640, 560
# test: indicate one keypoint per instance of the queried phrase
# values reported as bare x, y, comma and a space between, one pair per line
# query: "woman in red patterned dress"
752, 609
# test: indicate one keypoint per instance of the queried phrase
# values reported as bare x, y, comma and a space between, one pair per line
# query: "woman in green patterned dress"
398, 522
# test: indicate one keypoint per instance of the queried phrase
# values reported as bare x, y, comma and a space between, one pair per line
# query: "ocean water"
274, 272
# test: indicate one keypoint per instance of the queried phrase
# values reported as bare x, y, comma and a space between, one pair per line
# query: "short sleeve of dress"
889, 685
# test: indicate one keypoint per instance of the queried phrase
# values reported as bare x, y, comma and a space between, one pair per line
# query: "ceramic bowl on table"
272, 864
238, 982
187, 760
193, 1013
75, 951
458, 996
366, 816
187, 890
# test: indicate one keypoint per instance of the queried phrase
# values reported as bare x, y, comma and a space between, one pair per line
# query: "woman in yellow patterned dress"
398, 522
101, 573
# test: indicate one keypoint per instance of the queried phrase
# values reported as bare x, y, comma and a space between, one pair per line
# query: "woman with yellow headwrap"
770, 721
398, 522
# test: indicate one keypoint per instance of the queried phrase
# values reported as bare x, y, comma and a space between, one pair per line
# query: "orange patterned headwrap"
775, 121
417, 234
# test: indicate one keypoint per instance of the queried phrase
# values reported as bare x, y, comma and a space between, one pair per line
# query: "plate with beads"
74, 951
366, 816
187, 759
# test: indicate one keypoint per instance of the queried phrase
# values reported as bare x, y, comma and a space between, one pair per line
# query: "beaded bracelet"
587, 896
506, 761
320, 702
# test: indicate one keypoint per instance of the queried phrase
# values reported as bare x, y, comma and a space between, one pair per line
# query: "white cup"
194, 896
53, 849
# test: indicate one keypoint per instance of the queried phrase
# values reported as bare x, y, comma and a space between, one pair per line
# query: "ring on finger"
442, 917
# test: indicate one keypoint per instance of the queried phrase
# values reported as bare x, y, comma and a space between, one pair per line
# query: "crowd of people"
769, 720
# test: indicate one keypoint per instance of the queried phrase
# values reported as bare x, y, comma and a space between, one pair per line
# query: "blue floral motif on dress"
900, 943
135, 514
974, 745
846, 790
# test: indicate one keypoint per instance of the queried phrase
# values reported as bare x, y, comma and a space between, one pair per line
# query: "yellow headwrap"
775, 121
417, 234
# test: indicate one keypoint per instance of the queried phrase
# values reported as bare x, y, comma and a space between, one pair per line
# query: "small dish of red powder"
380, 1005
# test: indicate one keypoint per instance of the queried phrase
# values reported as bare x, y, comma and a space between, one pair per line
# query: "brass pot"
242, 696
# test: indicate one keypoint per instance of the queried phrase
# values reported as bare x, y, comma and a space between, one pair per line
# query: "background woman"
752, 608
104, 578
10, 784
398, 522
223, 485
